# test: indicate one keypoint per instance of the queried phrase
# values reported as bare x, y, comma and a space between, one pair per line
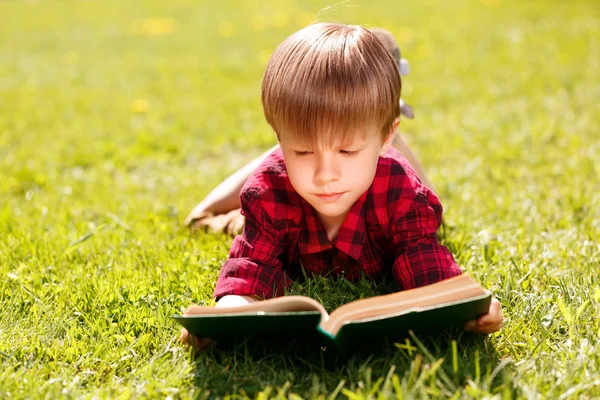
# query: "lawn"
117, 117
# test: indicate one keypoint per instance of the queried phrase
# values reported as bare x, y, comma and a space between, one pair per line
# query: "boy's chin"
331, 210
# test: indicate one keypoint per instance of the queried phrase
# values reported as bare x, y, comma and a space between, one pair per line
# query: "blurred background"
148, 104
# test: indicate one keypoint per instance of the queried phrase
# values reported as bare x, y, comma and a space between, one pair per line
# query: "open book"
430, 308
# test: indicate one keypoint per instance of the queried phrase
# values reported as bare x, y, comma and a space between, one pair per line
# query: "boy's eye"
303, 153
349, 153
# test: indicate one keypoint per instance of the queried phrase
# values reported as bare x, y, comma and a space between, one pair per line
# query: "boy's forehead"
325, 141
330, 139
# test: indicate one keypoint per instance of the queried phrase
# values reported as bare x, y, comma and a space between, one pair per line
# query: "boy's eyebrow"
354, 143
357, 140
342, 145
358, 143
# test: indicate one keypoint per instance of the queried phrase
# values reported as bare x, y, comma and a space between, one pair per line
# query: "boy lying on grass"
336, 198
220, 210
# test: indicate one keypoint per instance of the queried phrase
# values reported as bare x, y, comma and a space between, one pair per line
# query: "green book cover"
430, 308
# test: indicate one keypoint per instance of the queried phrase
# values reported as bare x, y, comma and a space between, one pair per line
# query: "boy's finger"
491, 329
487, 319
471, 325
485, 327
198, 344
183, 335
493, 316
495, 306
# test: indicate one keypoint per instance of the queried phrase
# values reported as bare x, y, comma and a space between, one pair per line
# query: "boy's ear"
389, 140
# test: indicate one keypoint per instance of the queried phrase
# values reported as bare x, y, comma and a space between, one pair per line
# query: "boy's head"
327, 82
331, 92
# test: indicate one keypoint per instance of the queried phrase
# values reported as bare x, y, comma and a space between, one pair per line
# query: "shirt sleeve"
420, 258
253, 266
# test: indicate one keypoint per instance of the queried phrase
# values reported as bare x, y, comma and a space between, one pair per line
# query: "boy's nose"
327, 171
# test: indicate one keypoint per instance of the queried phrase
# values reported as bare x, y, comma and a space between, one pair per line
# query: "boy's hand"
488, 323
198, 344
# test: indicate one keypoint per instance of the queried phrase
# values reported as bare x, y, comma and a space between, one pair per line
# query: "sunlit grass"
117, 117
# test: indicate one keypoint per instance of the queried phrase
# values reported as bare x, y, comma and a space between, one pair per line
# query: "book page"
451, 290
278, 304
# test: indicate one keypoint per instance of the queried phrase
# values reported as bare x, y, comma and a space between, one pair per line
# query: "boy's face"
332, 179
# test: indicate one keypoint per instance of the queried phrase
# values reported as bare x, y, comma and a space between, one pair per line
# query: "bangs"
330, 84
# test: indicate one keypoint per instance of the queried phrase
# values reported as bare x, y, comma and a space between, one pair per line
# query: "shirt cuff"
244, 277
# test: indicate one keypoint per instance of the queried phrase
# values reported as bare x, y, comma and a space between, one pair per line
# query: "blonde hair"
329, 83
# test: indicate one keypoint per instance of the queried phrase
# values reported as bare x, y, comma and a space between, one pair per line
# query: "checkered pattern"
392, 226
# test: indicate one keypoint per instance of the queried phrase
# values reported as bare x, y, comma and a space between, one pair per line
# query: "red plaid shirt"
391, 226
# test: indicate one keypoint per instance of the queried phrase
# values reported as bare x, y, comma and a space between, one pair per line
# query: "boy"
336, 198
219, 211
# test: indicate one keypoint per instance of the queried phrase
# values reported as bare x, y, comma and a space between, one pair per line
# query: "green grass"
117, 117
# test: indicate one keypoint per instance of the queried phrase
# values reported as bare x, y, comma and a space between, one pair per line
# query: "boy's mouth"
330, 196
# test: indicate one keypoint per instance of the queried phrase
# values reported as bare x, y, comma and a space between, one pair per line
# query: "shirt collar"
351, 236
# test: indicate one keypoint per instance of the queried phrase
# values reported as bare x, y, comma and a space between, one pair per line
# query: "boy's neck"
332, 225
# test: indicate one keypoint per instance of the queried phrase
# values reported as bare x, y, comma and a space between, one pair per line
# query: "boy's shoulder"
271, 174
395, 175
393, 165
397, 189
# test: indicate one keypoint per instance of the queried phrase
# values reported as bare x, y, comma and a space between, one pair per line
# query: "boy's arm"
226, 196
422, 260
253, 267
